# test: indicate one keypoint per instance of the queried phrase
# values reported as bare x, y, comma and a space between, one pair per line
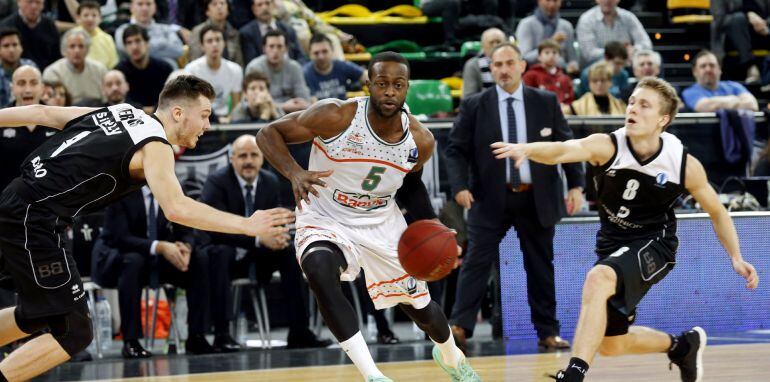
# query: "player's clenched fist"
270, 223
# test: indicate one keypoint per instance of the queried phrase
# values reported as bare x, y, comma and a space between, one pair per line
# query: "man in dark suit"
242, 188
251, 33
153, 250
500, 195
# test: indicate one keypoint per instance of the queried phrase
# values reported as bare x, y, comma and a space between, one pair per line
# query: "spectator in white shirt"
604, 23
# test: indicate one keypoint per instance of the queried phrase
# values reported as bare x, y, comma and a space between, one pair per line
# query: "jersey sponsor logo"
37, 167
356, 139
623, 212
49, 133
661, 179
611, 173
107, 123
413, 154
619, 221
364, 202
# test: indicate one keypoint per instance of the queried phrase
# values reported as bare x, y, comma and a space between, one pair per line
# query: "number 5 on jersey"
373, 179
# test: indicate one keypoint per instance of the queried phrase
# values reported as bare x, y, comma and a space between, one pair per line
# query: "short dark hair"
255, 76
135, 30
319, 38
206, 4
186, 87
389, 56
274, 33
89, 4
704, 52
615, 49
549, 44
9, 31
506, 45
208, 28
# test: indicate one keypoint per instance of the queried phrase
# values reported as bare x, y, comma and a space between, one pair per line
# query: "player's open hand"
304, 182
514, 151
748, 272
269, 224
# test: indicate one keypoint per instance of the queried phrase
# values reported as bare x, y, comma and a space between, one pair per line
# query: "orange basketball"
427, 250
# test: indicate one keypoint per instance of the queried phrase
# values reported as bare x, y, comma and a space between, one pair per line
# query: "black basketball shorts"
639, 265
43, 271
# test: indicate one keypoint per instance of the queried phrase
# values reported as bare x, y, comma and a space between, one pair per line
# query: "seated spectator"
287, 83
55, 94
547, 75
145, 74
102, 45
615, 56
606, 22
257, 104
224, 75
165, 39
599, 101
744, 24
216, 13
253, 34
39, 35
16, 143
545, 24
646, 63
476, 74
242, 188
712, 94
80, 75
115, 88
147, 243
11, 51
327, 77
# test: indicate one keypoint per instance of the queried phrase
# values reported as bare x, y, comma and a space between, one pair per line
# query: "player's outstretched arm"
158, 163
596, 149
325, 119
50, 116
697, 184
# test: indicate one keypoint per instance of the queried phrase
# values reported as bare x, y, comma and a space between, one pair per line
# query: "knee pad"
29, 325
72, 330
321, 259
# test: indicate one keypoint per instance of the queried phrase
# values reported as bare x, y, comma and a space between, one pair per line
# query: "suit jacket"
472, 166
251, 41
222, 191
125, 226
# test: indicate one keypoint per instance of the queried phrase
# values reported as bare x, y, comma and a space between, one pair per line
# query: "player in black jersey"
100, 156
640, 171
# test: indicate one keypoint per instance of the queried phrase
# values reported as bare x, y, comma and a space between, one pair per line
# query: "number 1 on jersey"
373, 179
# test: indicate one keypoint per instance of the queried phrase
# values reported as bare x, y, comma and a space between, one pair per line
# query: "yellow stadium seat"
359, 57
355, 14
688, 4
692, 19
454, 83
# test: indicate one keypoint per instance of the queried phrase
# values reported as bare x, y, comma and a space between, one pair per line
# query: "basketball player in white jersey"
366, 153
640, 171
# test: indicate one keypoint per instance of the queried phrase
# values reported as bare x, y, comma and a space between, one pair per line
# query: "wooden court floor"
733, 363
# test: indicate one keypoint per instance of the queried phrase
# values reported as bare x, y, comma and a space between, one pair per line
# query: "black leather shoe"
387, 338
133, 349
305, 340
197, 344
224, 343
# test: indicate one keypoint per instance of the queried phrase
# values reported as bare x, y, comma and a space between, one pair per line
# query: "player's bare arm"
596, 149
55, 117
156, 161
325, 119
697, 184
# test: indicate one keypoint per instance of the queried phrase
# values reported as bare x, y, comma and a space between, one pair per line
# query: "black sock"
679, 347
2, 377
576, 369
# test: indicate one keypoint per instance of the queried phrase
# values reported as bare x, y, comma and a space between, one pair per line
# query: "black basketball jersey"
85, 167
636, 197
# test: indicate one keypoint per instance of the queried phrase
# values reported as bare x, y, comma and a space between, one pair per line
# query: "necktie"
515, 179
249, 200
152, 221
172, 10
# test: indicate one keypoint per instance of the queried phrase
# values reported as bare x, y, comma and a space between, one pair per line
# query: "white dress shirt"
521, 126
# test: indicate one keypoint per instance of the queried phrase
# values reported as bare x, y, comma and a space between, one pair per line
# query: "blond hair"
600, 70
669, 100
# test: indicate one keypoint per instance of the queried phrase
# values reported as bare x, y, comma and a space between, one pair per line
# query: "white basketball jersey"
367, 171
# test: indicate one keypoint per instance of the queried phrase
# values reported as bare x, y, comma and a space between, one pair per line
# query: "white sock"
358, 352
450, 352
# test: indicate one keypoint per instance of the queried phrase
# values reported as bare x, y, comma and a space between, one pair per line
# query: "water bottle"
92, 346
104, 322
371, 328
181, 313
242, 330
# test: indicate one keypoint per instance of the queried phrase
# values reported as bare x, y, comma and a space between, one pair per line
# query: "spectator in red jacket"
547, 75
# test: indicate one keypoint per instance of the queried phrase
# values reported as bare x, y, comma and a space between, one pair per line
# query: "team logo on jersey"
363, 202
356, 139
411, 285
107, 122
611, 173
661, 179
413, 154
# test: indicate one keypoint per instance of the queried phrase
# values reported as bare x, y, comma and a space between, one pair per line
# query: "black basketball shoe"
691, 364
